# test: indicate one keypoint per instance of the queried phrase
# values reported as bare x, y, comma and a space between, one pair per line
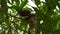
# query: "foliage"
48, 12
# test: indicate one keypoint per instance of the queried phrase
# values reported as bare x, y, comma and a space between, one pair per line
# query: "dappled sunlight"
41, 22
29, 17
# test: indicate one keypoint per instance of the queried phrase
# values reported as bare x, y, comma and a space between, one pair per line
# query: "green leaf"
23, 4
37, 2
59, 5
17, 2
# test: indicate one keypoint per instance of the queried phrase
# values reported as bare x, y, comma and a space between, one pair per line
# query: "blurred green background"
47, 13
